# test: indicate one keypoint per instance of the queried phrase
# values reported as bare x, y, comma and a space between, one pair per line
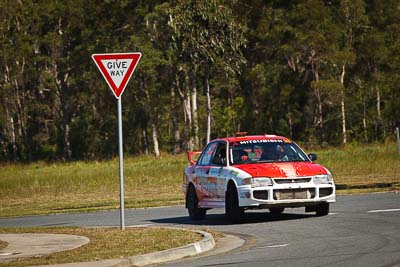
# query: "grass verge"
42, 188
363, 169
107, 243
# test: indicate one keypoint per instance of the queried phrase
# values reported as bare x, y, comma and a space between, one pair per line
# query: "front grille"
323, 192
260, 194
303, 193
292, 180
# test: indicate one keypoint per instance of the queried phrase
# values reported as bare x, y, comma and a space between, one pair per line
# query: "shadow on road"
219, 219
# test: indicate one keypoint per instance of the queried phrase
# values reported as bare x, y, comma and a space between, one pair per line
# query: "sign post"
121, 167
117, 69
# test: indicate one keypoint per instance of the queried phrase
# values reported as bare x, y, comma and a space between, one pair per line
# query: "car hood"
282, 169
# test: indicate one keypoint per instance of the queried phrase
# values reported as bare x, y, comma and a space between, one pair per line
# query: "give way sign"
117, 69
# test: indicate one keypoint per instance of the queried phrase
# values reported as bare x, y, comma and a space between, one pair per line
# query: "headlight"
323, 179
257, 182
247, 181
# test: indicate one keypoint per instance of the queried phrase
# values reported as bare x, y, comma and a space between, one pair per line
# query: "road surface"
361, 230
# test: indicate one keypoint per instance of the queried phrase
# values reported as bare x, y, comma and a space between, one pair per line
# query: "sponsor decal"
262, 141
225, 173
214, 172
234, 173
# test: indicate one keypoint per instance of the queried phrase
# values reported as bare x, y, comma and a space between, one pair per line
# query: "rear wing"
193, 157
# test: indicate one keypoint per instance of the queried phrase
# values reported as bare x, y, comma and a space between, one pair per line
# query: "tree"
204, 31
319, 71
352, 19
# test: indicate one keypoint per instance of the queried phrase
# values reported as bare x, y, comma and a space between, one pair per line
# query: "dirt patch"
3, 244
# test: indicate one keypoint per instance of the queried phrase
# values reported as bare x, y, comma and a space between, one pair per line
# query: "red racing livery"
253, 172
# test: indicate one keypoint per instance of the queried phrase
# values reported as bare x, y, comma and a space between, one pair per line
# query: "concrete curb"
204, 245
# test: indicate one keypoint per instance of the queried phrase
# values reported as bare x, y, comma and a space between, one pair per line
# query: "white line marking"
332, 213
5, 254
278, 246
140, 225
374, 211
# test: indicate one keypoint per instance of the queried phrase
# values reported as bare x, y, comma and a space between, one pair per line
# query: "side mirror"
313, 157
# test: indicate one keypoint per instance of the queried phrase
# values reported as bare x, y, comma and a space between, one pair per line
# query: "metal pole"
121, 166
398, 140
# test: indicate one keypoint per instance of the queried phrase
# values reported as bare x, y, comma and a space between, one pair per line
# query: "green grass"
107, 243
41, 188
362, 165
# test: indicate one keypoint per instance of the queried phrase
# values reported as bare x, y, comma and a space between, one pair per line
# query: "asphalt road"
362, 230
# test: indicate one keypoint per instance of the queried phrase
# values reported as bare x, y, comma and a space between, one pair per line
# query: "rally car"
253, 172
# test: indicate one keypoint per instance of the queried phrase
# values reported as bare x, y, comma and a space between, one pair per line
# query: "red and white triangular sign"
117, 69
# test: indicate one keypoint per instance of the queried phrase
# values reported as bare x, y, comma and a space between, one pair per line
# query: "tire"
322, 209
192, 204
233, 212
276, 211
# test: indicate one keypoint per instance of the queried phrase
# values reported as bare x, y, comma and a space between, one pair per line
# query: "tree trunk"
20, 114
317, 92
155, 139
378, 103
344, 133
175, 125
64, 102
152, 119
290, 124
60, 72
145, 146
365, 121
208, 110
13, 139
379, 123
17, 115
187, 113
194, 114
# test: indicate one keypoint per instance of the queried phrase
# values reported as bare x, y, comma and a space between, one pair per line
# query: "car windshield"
263, 151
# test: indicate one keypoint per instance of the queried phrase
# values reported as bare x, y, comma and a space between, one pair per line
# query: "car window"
258, 151
207, 155
219, 158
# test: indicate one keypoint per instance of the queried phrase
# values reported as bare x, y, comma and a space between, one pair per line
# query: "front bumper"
299, 195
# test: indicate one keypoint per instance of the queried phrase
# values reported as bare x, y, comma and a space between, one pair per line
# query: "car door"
216, 176
210, 188
202, 171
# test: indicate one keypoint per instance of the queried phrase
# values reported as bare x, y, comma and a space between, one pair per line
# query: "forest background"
325, 73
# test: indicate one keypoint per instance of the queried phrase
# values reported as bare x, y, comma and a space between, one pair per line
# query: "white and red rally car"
253, 172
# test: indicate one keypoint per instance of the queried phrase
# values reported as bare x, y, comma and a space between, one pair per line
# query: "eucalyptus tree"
61, 23
379, 62
19, 27
204, 31
352, 20
160, 33
312, 37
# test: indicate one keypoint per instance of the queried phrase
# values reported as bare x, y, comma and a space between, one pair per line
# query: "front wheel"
192, 204
322, 209
233, 212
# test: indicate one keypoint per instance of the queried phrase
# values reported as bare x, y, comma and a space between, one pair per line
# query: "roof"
252, 137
